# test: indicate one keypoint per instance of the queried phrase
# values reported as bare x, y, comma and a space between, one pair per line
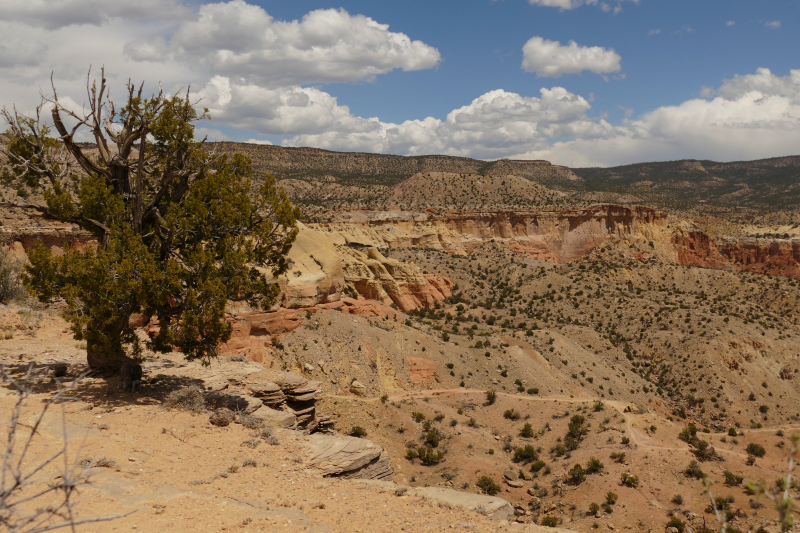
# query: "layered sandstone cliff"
555, 235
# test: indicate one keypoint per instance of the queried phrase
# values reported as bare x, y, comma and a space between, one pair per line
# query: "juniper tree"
180, 231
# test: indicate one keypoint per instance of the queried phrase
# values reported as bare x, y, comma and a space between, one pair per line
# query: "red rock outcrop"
420, 370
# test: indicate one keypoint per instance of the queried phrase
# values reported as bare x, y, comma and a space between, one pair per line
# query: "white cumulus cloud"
242, 40
574, 4
763, 82
552, 59
54, 14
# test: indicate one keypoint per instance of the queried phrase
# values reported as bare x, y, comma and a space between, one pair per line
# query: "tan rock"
340, 455
421, 370
276, 418
315, 275
357, 388
494, 507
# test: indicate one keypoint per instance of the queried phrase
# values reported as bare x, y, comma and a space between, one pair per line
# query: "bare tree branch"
27, 505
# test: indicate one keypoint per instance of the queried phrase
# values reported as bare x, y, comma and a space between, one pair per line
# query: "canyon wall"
558, 235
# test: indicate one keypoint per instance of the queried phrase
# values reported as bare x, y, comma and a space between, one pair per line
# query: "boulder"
494, 507
222, 417
357, 388
276, 418
349, 457
510, 474
288, 381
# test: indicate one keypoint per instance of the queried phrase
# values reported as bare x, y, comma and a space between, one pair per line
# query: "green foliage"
417, 416
527, 431
511, 414
491, 397
756, 450
429, 457
576, 475
411, 454
358, 431
487, 485
629, 480
700, 448
693, 470
593, 465
180, 231
611, 498
549, 521
732, 479
677, 499
433, 437
594, 508
537, 465
526, 454
676, 523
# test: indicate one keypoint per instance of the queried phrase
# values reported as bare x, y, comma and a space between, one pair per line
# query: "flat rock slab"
276, 418
337, 455
494, 507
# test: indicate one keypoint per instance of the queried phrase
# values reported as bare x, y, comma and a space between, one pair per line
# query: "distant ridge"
355, 167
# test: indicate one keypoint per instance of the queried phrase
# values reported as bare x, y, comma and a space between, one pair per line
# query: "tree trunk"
99, 358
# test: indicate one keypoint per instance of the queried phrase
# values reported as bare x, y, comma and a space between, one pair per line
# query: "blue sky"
645, 79
481, 45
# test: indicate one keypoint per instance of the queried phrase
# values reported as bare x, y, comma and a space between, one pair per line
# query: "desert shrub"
358, 431
472, 422
756, 450
693, 470
559, 450
511, 414
549, 521
250, 421
433, 437
593, 465
418, 417
625, 441
732, 432
429, 457
676, 523
187, 399
628, 480
491, 397
488, 486
250, 462
533, 391
537, 465
598, 406
594, 508
677, 499
576, 475
526, 454
732, 479
577, 427
527, 431
411, 454
611, 497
